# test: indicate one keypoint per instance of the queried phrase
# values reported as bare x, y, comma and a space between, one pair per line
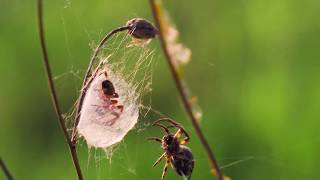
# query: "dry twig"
53, 93
155, 7
5, 170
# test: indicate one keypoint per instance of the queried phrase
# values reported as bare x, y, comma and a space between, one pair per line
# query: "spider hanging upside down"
109, 97
179, 156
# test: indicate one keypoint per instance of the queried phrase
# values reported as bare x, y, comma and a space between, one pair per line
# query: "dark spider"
179, 156
110, 97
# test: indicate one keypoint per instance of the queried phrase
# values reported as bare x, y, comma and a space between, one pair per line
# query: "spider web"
135, 63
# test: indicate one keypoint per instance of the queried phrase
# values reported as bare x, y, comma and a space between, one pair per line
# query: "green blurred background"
255, 70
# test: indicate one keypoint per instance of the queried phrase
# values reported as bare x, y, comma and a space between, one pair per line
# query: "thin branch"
5, 170
183, 95
86, 77
53, 91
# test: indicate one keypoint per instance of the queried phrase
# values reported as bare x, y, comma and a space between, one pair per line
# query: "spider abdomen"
183, 162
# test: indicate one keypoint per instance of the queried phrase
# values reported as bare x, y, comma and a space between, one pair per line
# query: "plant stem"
53, 93
5, 170
183, 95
85, 80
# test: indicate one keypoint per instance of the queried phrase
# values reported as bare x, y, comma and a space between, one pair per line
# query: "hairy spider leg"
154, 139
173, 123
114, 102
120, 107
165, 168
117, 115
105, 74
112, 121
159, 159
169, 121
179, 133
162, 126
177, 125
162, 119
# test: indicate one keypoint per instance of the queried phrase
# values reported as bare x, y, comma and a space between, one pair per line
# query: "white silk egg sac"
106, 119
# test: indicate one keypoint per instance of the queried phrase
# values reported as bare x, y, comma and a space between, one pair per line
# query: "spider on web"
179, 156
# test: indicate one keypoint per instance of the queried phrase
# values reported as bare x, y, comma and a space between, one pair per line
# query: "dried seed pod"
141, 28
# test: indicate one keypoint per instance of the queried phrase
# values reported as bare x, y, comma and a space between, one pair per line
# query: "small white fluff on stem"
96, 114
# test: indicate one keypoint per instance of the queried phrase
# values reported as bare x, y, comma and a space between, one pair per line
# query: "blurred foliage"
255, 69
